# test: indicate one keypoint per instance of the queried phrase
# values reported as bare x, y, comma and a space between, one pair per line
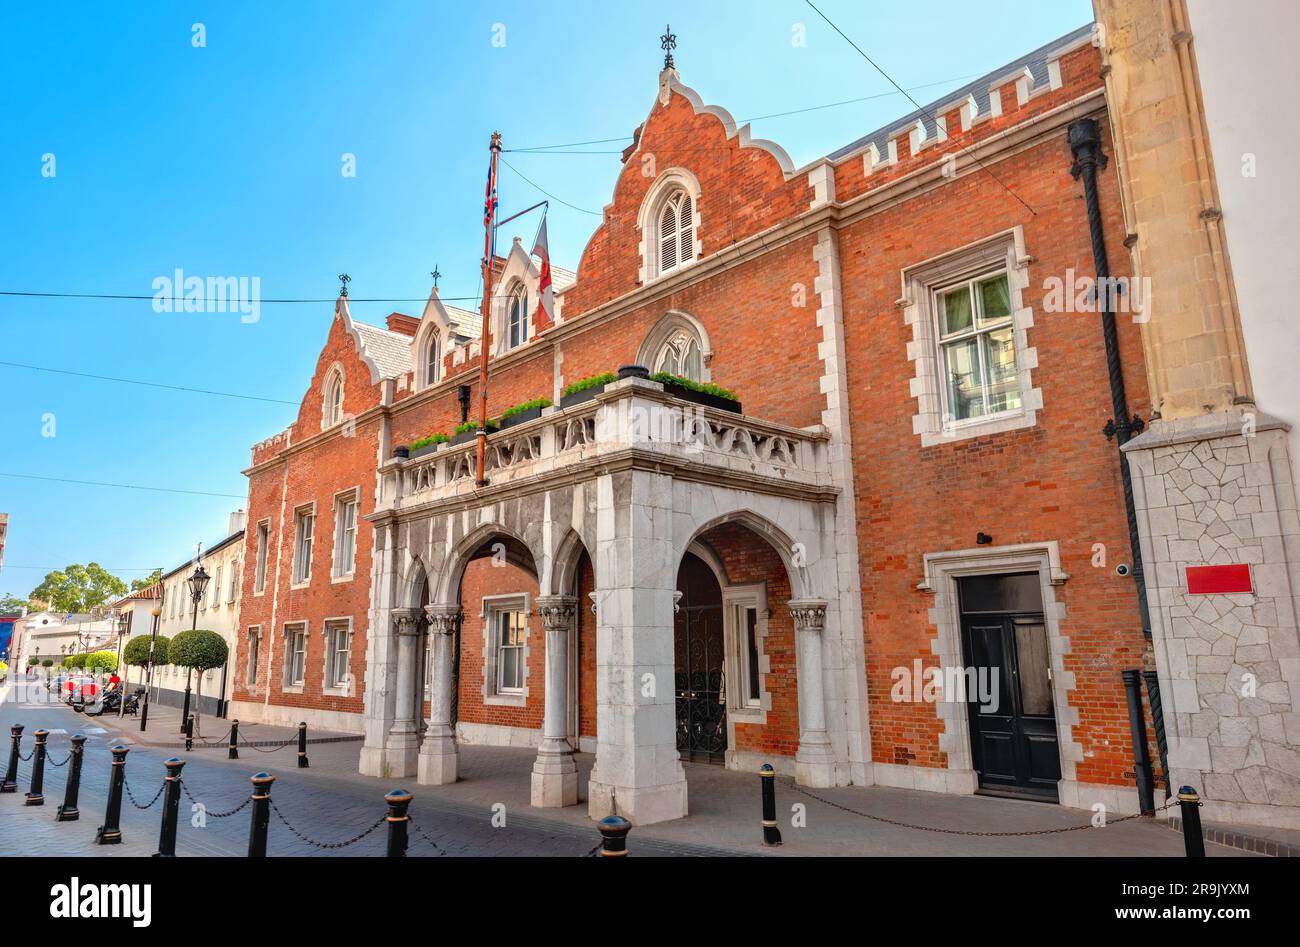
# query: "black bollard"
767, 778
68, 812
10, 783
1193, 838
34, 797
234, 740
613, 836
261, 814
109, 833
398, 800
171, 807
302, 745
189, 733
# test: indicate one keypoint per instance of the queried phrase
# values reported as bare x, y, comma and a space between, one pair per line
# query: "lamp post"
148, 672
198, 583
123, 628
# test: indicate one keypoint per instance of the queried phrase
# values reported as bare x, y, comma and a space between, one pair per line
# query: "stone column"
638, 774
815, 760
404, 736
439, 758
555, 774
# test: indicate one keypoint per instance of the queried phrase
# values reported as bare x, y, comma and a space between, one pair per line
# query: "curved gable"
745, 186
344, 351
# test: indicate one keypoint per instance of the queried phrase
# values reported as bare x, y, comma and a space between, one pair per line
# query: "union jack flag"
489, 209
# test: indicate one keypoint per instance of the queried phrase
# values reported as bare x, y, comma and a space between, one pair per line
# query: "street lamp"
123, 628
198, 583
153, 643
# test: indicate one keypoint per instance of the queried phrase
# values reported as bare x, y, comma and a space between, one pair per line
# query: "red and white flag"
546, 296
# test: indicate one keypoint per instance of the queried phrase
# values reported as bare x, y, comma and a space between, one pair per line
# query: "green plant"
595, 381
101, 661
33, 662
136, 652
199, 649
47, 663
4, 669
439, 438
473, 426
701, 386
523, 406
67, 662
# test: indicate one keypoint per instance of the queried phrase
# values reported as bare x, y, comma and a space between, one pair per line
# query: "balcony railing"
633, 418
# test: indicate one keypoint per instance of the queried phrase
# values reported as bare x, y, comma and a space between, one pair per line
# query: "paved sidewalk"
330, 801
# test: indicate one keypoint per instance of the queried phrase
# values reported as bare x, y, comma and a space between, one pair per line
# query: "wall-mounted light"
983, 539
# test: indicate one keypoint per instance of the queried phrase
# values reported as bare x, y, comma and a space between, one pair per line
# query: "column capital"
406, 621
809, 613
442, 618
556, 611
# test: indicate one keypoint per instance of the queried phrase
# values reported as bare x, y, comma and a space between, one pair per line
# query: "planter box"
580, 397
701, 397
532, 414
426, 449
468, 436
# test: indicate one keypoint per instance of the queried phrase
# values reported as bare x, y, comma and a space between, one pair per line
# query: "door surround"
942, 569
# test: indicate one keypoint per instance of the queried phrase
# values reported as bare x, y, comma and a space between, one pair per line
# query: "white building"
54, 636
217, 610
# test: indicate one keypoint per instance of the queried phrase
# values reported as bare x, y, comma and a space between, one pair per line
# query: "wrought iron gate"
700, 683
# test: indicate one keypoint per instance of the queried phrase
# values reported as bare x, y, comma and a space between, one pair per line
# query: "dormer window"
517, 318
676, 232
333, 411
432, 358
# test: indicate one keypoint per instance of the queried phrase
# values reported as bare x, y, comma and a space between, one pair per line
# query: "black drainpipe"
1085, 144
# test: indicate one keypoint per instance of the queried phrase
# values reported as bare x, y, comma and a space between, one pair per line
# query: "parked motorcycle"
111, 701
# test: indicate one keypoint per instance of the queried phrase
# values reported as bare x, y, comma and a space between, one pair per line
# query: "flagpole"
481, 478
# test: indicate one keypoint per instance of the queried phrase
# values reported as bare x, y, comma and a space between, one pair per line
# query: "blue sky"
225, 160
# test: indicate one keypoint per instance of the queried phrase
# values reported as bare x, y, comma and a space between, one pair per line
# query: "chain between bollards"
1189, 802
10, 783
68, 812
261, 818
399, 800
613, 836
109, 833
302, 745
34, 796
767, 780
233, 750
171, 807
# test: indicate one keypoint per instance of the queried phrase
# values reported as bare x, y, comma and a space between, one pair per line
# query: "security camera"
1122, 569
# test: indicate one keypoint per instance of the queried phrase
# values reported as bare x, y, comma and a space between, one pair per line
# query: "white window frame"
516, 300
1000, 252
678, 345
214, 596
332, 404
737, 601
431, 358
301, 576
669, 183
291, 629
253, 643
333, 627
233, 589
341, 571
493, 606
263, 554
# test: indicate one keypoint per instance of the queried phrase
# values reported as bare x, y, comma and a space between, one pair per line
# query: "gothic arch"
459, 556
665, 186
791, 552
670, 323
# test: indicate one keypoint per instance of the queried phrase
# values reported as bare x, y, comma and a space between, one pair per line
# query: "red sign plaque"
1209, 580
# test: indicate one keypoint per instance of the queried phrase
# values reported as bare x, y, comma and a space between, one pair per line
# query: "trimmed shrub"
199, 649
705, 387
101, 661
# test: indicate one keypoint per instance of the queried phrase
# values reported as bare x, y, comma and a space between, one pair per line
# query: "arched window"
432, 358
676, 231
517, 318
680, 355
334, 399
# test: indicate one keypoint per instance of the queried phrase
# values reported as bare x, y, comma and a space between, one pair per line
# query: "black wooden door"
1012, 716
699, 658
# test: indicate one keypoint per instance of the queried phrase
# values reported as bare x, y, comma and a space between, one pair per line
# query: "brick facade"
773, 242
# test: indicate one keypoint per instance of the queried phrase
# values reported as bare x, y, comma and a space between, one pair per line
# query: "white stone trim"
739, 710
497, 734
287, 687
822, 180
872, 161
647, 222
669, 323
942, 569
333, 374
327, 650
1000, 251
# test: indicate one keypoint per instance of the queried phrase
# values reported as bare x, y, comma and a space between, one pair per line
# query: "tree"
11, 606
136, 652
78, 588
150, 579
200, 650
47, 663
101, 661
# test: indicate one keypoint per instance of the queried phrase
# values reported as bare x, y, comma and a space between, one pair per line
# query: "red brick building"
782, 580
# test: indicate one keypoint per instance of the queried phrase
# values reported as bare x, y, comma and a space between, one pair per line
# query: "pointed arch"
684, 334
332, 397
669, 221
794, 555
515, 550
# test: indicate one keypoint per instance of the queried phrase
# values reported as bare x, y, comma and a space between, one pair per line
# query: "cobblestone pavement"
331, 802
